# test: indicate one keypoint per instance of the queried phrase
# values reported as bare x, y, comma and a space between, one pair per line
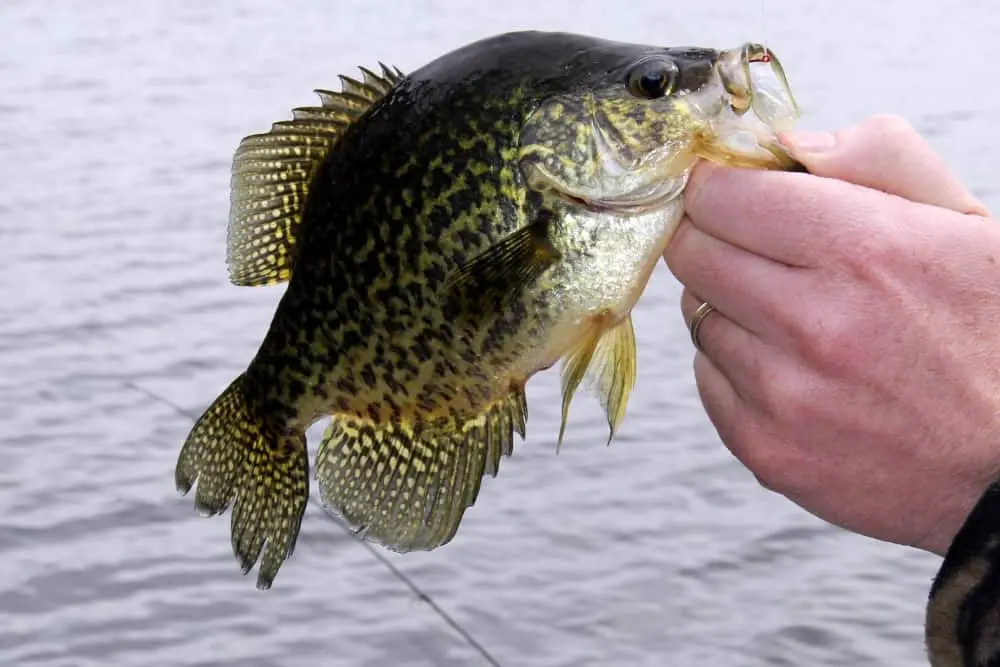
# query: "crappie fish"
445, 235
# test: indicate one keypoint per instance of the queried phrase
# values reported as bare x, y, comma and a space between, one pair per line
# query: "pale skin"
854, 361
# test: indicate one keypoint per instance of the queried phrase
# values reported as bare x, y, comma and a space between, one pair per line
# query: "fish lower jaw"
638, 202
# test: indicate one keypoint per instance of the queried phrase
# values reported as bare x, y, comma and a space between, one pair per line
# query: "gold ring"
703, 311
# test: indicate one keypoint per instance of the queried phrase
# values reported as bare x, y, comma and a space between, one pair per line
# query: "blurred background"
117, 125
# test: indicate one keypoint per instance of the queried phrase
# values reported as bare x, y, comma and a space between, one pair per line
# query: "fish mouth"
758, 104
773, 105
732, 119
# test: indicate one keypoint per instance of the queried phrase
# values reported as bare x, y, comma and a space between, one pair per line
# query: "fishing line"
418, 592
763, 22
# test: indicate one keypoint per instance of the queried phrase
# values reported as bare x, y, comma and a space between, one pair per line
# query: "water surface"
117, 125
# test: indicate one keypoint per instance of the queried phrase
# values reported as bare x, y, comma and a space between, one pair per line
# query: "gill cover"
622, 142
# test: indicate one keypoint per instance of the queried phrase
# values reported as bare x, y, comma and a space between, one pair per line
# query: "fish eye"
653, 78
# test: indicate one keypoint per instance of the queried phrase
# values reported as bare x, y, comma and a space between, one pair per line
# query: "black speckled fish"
445, 235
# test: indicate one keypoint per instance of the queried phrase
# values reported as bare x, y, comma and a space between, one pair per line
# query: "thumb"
884, 153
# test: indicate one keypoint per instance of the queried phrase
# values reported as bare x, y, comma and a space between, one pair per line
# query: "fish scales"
445, 235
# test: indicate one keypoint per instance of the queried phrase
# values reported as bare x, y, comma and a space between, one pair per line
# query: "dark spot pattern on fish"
429, 277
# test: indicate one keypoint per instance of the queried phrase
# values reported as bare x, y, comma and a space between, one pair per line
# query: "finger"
792, 218
751, 290
884, 153
736, 352
722, 404
798, 218
727, 411
742, 431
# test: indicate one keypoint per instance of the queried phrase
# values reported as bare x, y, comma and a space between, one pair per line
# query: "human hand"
853, 363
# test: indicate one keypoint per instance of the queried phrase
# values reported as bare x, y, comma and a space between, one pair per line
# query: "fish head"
629, 134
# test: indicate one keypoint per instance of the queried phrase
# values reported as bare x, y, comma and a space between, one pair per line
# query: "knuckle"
774, 460
861, 246
815, 333
768, 482
756, 443
766, 463
785, 473
890, 128
833, 340
783, 398
877, 253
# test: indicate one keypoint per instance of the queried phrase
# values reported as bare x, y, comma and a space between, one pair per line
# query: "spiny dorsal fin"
272, 172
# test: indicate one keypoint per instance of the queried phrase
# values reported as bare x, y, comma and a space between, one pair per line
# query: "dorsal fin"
272, 173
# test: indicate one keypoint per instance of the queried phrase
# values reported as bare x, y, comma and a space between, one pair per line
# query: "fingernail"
805, 141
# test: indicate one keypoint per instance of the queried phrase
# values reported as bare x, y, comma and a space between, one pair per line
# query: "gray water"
117, 125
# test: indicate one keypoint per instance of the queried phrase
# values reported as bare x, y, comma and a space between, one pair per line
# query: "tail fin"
963, 614
237, 459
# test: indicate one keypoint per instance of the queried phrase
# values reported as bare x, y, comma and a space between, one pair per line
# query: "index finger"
884, 153
792, 218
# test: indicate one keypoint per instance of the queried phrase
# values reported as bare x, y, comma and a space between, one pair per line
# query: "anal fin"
407, 485
606, 359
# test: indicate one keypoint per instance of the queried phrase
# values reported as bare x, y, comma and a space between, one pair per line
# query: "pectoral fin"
612, 372
573, 371
502, 269
606, 359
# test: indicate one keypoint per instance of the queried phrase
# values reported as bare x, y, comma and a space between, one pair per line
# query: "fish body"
445, 235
